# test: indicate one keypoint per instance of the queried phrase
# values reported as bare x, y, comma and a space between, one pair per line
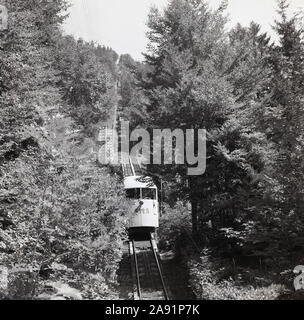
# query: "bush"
217, 279
75, 218
173, 223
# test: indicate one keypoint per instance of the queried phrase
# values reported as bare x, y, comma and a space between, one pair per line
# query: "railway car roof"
139, 182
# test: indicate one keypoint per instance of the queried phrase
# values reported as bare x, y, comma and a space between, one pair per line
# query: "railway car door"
136, 218
150, 207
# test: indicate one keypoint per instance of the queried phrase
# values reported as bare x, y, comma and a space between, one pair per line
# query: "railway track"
147, 274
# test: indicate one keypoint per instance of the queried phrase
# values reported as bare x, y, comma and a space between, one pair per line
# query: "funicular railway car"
142, 192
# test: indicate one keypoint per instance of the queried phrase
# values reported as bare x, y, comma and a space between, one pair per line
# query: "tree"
59, 220
200, 78
87, 84
285, 115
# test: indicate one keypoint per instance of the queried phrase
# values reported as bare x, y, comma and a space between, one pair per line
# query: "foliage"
62, 218
173, 222
87, 84
132, 99
248, 94
217, 280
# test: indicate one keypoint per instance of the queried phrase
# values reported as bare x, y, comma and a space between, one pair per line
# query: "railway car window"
149, 194
133, 193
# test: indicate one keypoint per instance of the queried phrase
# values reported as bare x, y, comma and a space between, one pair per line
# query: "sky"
121, 24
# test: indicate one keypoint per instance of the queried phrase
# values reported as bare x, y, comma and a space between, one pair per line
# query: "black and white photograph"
151, 153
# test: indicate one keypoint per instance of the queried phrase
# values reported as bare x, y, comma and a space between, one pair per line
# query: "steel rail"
159, 268
136, 271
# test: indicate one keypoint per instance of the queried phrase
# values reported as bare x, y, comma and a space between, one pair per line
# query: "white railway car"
145, 210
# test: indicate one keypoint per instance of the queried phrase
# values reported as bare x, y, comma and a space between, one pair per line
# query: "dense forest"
247, 91
63, 216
